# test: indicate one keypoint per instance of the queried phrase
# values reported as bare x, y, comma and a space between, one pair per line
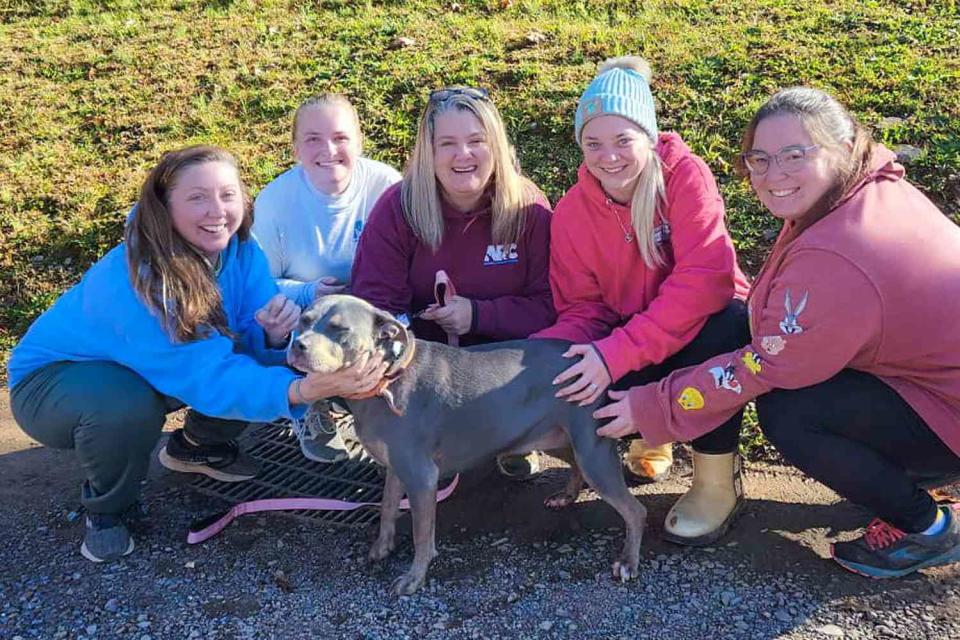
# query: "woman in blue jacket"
183, 312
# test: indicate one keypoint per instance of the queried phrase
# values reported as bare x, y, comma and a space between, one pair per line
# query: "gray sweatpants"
112, 418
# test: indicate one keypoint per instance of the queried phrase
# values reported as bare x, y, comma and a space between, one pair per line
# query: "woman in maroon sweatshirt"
463, 207
854, 360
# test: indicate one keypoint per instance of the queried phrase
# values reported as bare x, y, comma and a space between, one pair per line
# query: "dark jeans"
857, 435
725, 331
112, 418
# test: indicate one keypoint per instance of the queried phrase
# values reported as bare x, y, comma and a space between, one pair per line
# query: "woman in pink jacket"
855, 357
645, 279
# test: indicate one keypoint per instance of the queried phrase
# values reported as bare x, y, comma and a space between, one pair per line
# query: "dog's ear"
389, 328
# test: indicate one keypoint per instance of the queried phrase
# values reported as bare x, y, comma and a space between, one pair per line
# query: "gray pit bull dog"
443, 409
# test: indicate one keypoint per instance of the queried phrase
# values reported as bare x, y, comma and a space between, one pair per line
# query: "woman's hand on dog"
326, 286
454, 317
278, 318
622, 416
589, 375
349, 382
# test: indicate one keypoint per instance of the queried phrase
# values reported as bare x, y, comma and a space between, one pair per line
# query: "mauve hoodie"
873, 286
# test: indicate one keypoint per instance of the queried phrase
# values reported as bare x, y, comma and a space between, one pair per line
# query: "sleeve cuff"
474, 316
612, 356
649, 417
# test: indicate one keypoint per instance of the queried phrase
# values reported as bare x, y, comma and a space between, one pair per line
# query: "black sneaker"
884, 551
106, 539
225, 461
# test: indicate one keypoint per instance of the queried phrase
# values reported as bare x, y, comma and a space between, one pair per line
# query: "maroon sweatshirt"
508, 286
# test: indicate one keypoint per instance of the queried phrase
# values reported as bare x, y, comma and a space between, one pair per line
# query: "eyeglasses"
789, 159
441, 95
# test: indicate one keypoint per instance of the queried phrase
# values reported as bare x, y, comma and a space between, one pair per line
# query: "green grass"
91, 93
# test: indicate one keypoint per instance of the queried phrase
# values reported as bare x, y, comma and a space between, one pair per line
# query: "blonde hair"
172, 278
511, 195
650, 193
829, 125
325, 100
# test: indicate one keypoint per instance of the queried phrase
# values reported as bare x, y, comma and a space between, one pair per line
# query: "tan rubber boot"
650, 463
705, 512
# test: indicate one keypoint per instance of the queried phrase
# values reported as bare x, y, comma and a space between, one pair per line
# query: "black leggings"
725, 331
857, 435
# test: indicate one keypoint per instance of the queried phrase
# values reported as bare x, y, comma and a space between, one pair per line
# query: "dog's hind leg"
568, 495
389, 510
421, 486
600, 464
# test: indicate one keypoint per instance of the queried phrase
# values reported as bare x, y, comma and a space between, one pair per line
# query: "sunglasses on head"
441, 95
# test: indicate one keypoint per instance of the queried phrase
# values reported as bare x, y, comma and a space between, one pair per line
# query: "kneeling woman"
645, 281
853, 360
183, 312
463, 207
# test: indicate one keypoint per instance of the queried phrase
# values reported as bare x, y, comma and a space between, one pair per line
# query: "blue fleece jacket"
102, 318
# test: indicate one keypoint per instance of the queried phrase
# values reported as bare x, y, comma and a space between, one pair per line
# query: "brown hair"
829, 125
172, 278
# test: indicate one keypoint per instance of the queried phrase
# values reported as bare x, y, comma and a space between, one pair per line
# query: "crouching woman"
853, 360
183, 312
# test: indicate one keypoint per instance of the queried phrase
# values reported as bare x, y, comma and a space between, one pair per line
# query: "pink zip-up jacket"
507, 285
873, 286
604, 292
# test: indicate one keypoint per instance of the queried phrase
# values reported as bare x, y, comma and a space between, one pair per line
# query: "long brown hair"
173, 279
511, 194
829, 125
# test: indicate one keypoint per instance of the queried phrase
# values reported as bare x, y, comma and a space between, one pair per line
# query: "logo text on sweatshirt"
501, 254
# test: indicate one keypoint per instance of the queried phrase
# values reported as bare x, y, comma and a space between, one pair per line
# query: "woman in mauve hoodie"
855, 358
645, 281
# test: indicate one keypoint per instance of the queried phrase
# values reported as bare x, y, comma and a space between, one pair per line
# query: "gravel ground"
507, 569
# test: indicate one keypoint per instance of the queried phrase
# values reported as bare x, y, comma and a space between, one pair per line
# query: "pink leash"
444, 291
208, 527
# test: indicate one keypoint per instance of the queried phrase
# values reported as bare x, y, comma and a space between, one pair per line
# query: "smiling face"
206, 205
463, 161
616, 152
791, 194
327, 143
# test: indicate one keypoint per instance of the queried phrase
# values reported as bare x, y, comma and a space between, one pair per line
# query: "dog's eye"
338, 328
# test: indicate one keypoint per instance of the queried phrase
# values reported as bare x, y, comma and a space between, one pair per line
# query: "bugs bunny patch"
789, 325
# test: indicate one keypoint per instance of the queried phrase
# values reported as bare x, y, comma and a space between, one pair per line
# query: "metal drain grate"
286, 473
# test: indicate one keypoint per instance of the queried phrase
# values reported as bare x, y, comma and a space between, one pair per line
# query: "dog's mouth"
312, 360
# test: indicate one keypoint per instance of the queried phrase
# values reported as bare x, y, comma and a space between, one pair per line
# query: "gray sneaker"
319, 432
106, 538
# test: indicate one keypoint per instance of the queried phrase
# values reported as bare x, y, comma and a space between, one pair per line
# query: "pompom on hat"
621, 88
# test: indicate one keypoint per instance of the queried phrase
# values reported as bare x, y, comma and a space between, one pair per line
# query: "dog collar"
382, 388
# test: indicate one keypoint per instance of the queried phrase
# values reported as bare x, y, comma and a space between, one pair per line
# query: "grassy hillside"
91, 93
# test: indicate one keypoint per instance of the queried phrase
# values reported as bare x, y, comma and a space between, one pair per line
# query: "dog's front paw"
380, 550
407, 584
625, 570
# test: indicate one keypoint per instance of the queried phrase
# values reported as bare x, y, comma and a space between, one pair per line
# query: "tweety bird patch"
690, 399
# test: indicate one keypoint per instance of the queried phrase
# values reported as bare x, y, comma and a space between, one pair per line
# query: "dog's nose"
298, 345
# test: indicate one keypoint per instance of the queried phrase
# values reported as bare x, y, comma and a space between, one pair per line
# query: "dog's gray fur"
458, 407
